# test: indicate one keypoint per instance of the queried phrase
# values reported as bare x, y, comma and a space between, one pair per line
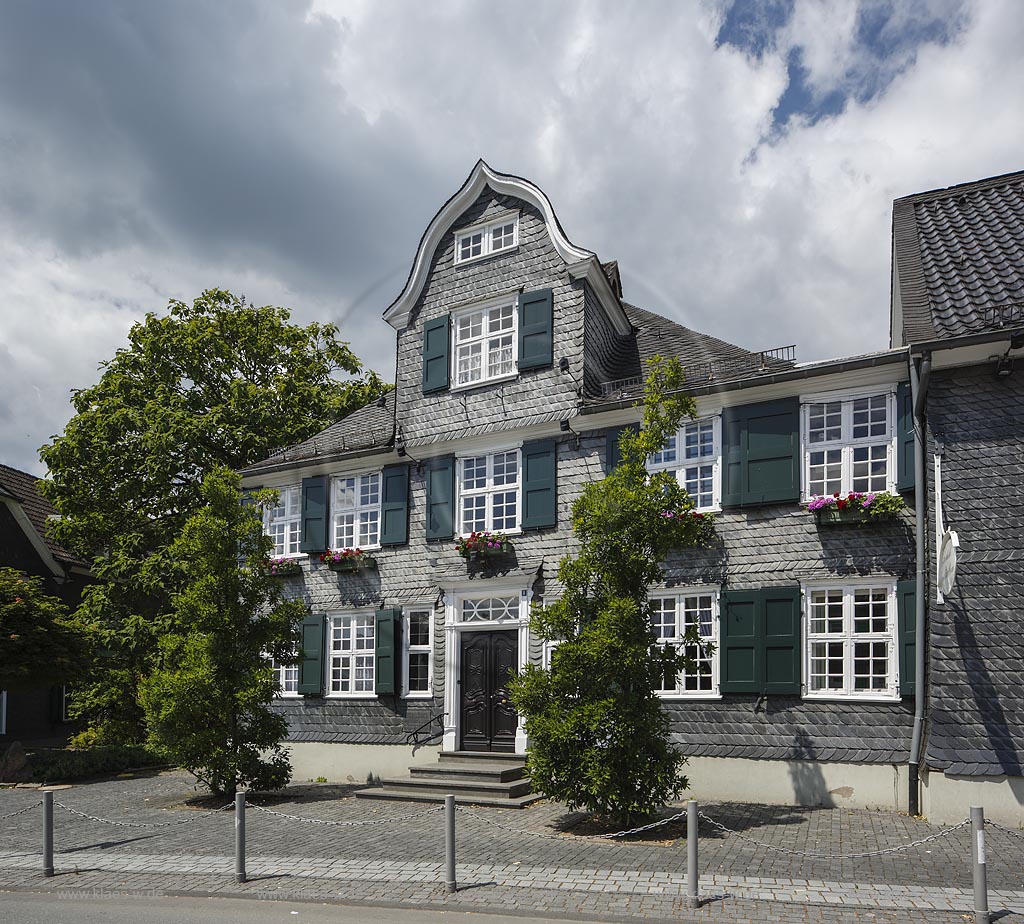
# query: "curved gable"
582, 263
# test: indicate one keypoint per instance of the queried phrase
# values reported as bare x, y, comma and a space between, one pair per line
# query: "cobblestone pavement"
506, 865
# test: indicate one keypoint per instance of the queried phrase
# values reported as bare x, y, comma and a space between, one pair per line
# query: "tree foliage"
40, 644
599, 738
207, 700
215, 383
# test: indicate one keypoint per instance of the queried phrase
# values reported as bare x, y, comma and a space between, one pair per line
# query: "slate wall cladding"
603, 347
536, 395
975, 660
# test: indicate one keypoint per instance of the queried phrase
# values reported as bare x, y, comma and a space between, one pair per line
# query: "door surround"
454, 626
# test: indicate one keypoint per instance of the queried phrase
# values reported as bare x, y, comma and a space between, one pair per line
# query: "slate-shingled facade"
566, 355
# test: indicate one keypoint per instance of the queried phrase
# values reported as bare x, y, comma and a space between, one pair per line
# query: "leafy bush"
52, 765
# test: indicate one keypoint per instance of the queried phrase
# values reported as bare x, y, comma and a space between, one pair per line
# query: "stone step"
470, 770
461, 789
504, 757
488, 801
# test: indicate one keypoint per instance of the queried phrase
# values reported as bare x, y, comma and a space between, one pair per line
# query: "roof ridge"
944, 192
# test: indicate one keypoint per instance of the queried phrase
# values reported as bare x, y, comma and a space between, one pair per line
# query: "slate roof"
22, 487
703, 357
960, 257
370, 428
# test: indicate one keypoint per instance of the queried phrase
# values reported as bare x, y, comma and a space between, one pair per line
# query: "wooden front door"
487, 720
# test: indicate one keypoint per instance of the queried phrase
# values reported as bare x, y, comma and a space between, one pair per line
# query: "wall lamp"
403, 452
563, 425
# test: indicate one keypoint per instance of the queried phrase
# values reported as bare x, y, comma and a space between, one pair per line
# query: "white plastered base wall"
355, 763
948, 799
797, 782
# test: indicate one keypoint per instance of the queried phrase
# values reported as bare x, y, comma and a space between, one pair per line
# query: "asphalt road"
88, 908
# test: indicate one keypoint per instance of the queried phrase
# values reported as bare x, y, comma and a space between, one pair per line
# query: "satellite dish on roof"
946, 570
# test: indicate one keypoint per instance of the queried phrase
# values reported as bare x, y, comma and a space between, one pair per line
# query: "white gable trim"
397, 315
42, 550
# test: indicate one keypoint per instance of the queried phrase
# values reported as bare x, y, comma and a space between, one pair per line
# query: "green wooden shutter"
739, 658
386, 674
905, 471
780, 613
314, 514
536, 320
311, 656
761, 449
441, 498
540, 488
906, 638
612, 454
394, 505
436, 340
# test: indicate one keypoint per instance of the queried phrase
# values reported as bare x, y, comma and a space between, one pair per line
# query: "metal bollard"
47, 833
692, 893
981, 914
449, 843
239, 837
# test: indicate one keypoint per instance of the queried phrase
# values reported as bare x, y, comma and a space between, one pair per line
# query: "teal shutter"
540, 487
311, 656
536, 320
314, 514
441, 498
394, 505
612, 454
761, 450
436, 341
906, 638
739, 625
905, 471
781, 639
386, 675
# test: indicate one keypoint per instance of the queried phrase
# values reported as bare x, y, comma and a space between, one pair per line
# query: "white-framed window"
484, 343
283, 521
355, 511
418, 652
351, 655
849, 443
694, 454
488, 491
484, 240
850, 649
672, 617
287, 678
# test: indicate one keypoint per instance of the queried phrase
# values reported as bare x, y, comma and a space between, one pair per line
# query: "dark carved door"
487, 720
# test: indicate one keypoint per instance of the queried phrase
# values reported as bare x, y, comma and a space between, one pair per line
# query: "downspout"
919, 392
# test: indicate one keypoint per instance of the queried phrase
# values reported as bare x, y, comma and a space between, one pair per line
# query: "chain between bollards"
692, 891
47, 833
981, 913
449, 844
240, 837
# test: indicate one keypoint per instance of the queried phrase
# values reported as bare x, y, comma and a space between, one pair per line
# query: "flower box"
348, 560
855, 507
831, 516
282, 567
483, 545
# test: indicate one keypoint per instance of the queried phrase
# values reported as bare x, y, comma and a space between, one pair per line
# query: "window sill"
428, 695
480, 383
850, 698
343, 696
518, 531
290, 695
689, 697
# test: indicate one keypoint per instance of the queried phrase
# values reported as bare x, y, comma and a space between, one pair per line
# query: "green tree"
40, 644
206, 701
599, 738
215, 383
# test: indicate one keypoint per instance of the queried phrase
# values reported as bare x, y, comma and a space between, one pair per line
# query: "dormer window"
486, 239
484, 343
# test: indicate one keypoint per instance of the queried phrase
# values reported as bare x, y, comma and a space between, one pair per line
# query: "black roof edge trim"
951, 343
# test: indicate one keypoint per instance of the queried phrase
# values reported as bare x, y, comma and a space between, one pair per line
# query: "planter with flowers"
348, 560
481, 545
282, 567
855, 507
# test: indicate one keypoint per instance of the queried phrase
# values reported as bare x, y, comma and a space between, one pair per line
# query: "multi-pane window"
418, 652
352, 654
675, 617
489, 492
849, 445
355, 511
693, 455
484, 240
485, 344
283, 521
287, 678
851, 647
488, 609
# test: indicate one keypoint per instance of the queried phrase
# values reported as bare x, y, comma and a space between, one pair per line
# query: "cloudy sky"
739, 159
